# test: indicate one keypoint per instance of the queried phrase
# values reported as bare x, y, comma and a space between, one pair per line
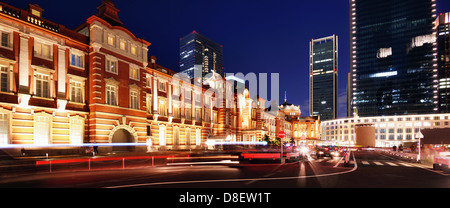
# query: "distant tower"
323, 77
198, 52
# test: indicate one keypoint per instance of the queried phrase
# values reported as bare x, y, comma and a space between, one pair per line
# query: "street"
368, 169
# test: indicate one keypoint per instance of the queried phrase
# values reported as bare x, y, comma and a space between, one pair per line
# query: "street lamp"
419, 136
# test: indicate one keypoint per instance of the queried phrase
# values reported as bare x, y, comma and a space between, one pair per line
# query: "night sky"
259, 36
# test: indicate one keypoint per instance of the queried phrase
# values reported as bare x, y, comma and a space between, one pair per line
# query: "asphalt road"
368, 169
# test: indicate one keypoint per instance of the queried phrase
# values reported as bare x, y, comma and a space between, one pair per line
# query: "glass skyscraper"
443, 43
393, 57
198, 52
323, 77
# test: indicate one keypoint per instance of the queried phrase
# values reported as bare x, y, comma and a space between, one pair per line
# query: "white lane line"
378, 163
365, 163
237, 179
407, 165
391, 164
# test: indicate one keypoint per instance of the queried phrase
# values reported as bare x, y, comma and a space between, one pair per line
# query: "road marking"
237, 179
365, 163
391, 164
378, 163
407, 165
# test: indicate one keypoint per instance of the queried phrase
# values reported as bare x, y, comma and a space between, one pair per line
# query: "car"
324, 151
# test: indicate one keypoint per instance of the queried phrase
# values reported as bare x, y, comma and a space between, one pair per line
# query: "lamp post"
419, 136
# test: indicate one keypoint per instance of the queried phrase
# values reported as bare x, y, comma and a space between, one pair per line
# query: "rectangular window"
5, 39
76, 91
133, 50
42, 86
123, 45
77, 60
198, 114
187, 94
198, 97
176, 111
111, 40
111, 66
3, 78
207, 115
111, 95
4, 126
134, 73
43, 50
162, 86
149, 103
187, 113
134, 100
148, 82
162, 111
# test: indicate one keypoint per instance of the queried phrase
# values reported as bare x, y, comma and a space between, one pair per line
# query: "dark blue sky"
260, 36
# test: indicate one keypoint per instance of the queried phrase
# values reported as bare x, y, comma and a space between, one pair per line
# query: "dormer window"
123, 45
133, 50
111, 40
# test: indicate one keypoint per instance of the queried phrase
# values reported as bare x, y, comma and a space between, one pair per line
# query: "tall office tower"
442, 26
198, 52
393, 64
323, 77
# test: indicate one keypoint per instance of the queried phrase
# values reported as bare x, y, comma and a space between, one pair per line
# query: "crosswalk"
338, 161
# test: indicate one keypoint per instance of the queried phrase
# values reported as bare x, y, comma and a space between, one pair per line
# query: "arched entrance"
123, 135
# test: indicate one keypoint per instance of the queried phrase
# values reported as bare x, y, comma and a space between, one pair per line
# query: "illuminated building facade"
97, 84
301, 130
198, 52
389, 130
442, 27
44, 73
323, 77
393, 57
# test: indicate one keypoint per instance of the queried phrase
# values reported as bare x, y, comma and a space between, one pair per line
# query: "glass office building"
393, 57
198, 52
323, 77
442, 27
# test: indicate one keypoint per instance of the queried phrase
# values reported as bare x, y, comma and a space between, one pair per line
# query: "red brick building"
98, 84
